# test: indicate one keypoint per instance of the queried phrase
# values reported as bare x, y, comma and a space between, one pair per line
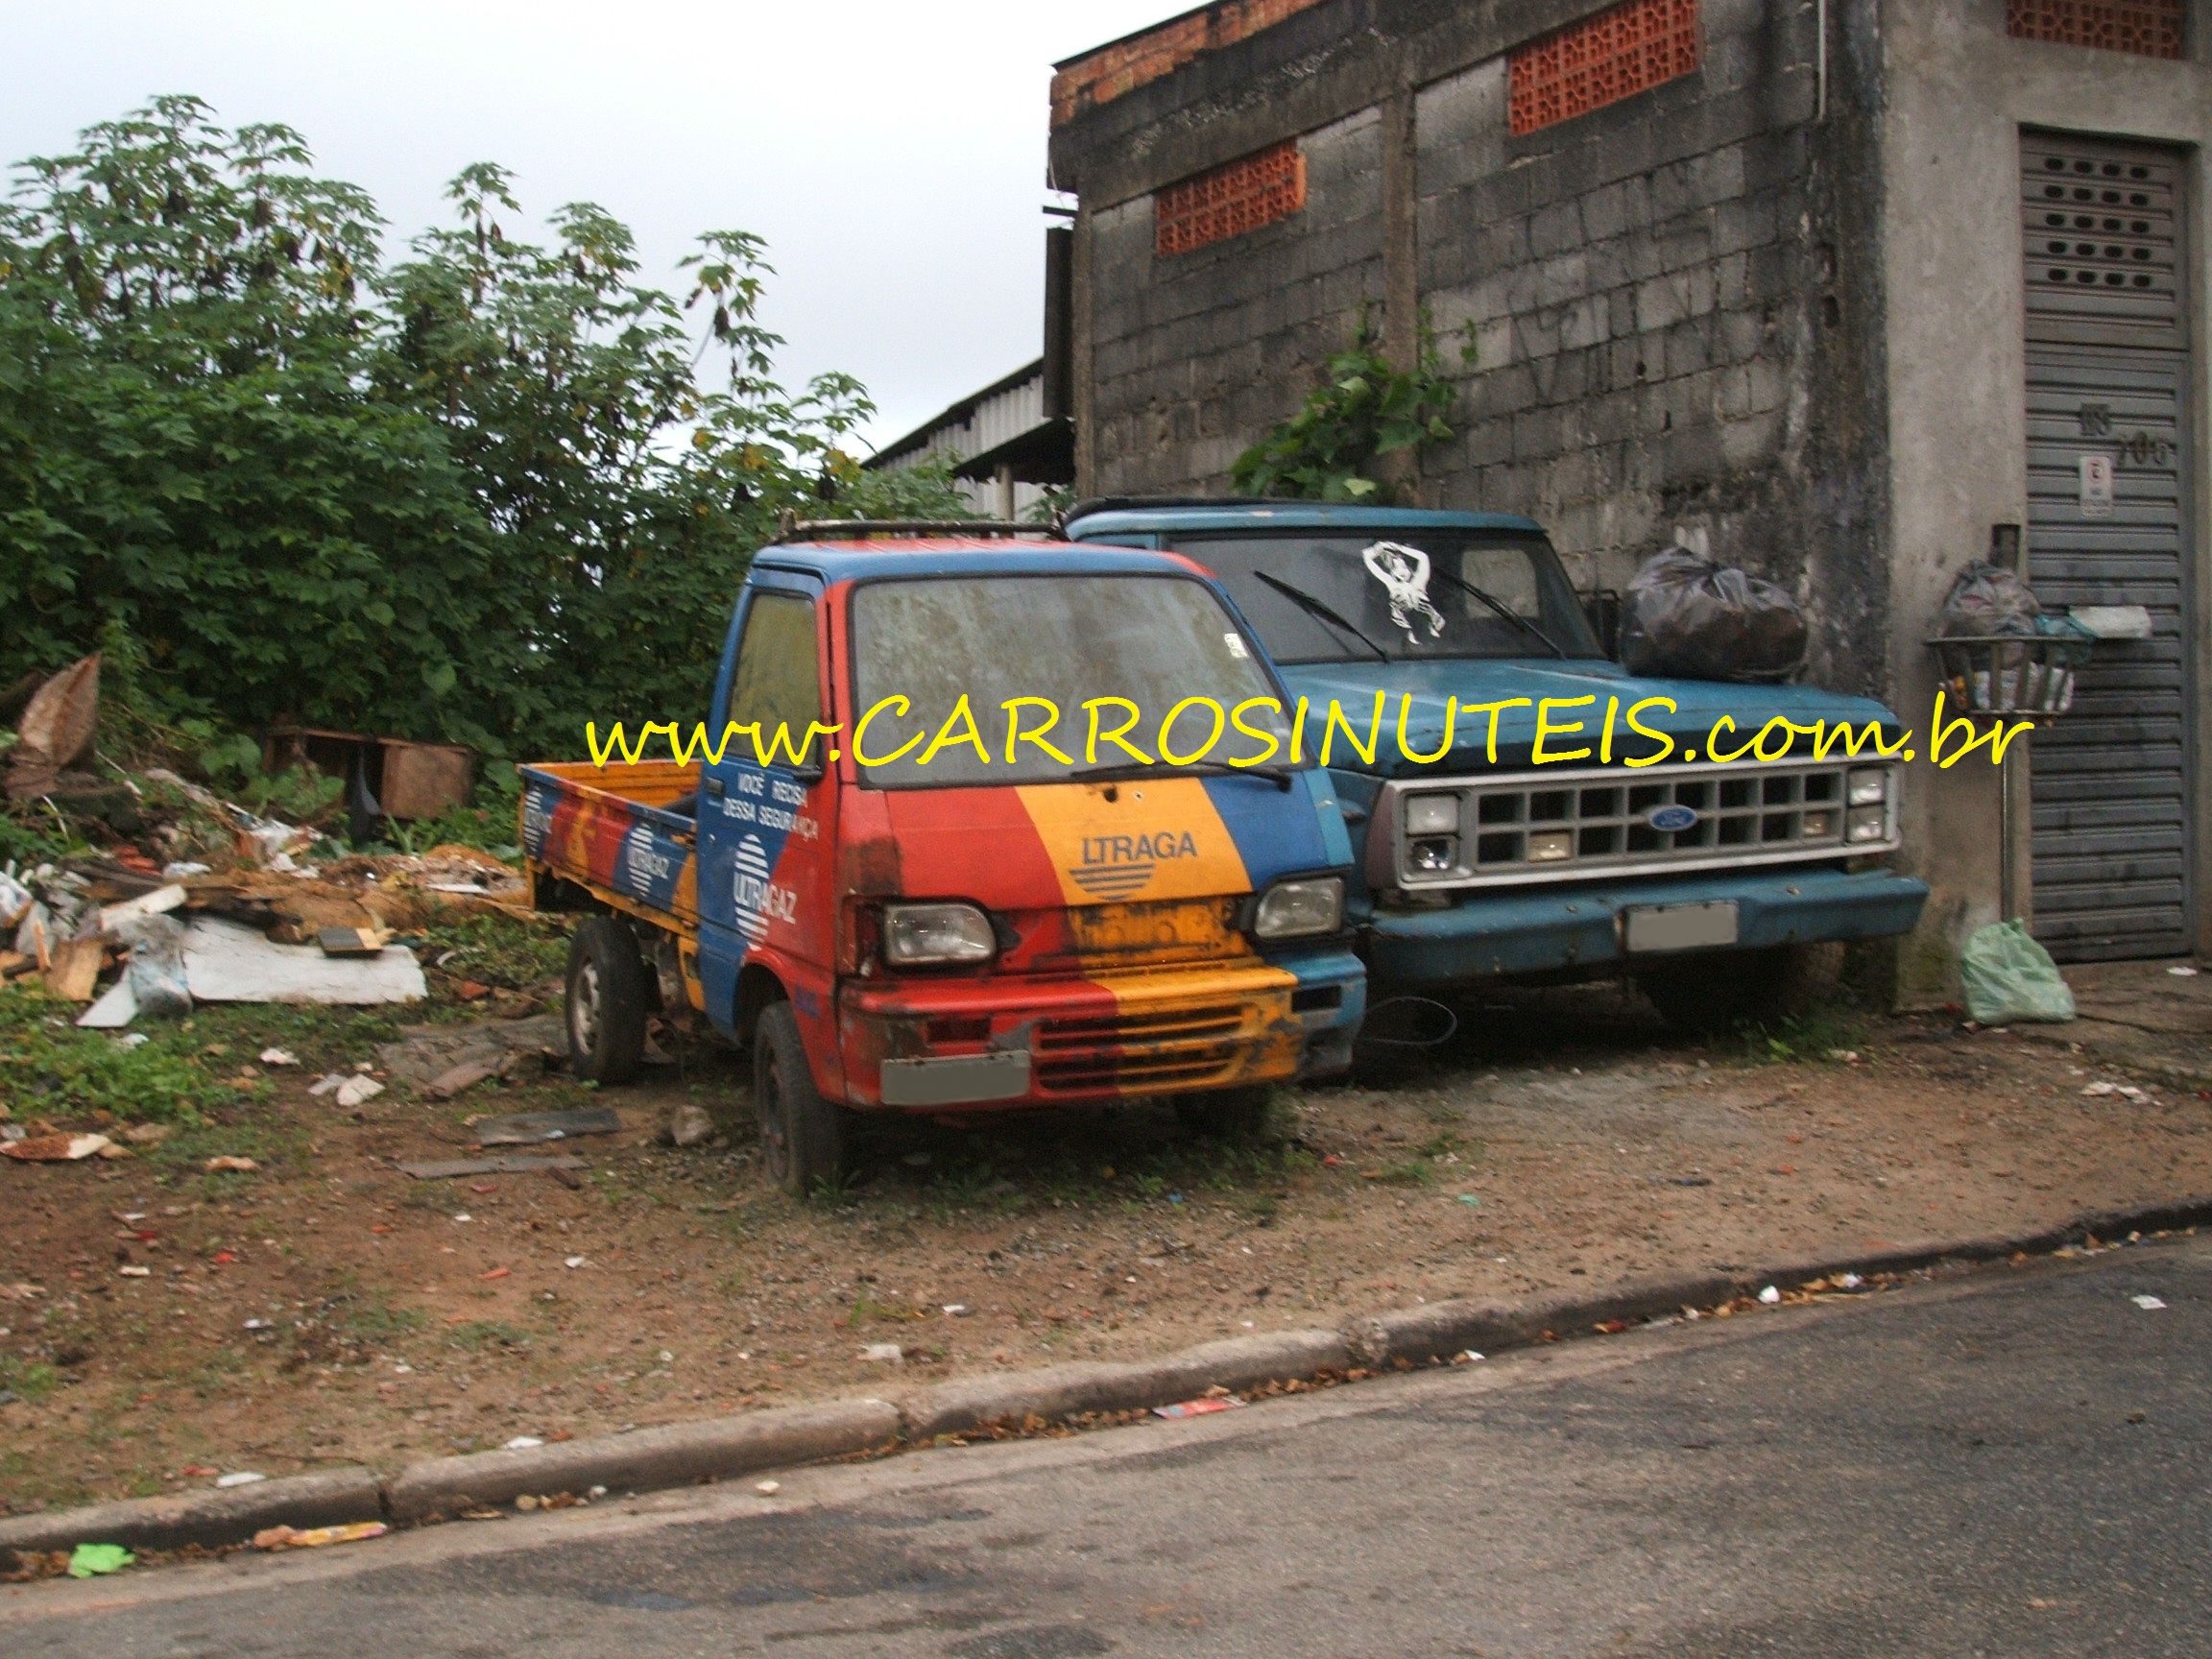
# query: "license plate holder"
957, 1080
1659, 929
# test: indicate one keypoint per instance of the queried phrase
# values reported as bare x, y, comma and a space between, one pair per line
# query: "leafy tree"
485, 492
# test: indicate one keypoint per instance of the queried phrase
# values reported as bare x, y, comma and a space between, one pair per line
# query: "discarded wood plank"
350, 941
512, 1164
75, 975
530, 1128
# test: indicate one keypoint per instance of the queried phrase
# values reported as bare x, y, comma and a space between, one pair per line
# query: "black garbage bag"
1989, 600
1688, 619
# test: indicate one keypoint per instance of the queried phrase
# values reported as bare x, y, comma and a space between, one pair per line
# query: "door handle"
717, 788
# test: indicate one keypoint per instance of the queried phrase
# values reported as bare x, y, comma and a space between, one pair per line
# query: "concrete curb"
1056, 1393
679, 1455
689, 1453
210, 1519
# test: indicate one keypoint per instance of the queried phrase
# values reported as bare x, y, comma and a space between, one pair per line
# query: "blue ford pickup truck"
1532, 810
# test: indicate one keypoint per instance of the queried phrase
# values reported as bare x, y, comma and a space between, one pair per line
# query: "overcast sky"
892, 154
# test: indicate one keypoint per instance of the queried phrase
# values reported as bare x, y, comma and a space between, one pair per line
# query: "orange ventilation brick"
2148, 27
1230, 201
1603, 60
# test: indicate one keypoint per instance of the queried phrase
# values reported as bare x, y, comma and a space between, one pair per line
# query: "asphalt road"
2011, 1463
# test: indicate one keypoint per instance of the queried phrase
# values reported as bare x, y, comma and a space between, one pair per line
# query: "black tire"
1714, 996
1238, 1113
609, 999
802, 1135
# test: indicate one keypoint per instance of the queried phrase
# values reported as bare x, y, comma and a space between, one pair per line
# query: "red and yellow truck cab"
928, 854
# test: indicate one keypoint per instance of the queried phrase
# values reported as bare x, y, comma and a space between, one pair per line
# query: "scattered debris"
767, 1488
98, 1560
230, 1165
508, 1165
524, 1443
353, 942
1468, 1357
278, 1057
955, 1309
2148, 1304
1205, 1407
55, 730
530, 1128
1771, 1297
226, 962
574, 1261
244, 1478
688, 1125
2124, 1090
158, 902
148, 1134
443, 1060
74, 971
884, 1354
2182, 971
356, 1090
275, 1538
55, 1148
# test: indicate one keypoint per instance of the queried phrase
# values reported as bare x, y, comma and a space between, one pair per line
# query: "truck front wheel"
609, 1000
1713, 996
802, 1135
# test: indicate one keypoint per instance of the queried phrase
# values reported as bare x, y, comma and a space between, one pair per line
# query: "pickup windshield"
1399, 596
1154, 641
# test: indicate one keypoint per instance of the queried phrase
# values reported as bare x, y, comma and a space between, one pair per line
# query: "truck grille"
1136, 1052
1531, 828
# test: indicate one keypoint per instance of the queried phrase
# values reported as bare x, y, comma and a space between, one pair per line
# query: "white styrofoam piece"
113, 1011
226, 962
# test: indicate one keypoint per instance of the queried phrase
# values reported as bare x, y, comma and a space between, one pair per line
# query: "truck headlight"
1867, 824
916, 935
1869, 788
1296, 909
1433, 815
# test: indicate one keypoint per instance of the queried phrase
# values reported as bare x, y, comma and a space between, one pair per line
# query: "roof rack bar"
794, 528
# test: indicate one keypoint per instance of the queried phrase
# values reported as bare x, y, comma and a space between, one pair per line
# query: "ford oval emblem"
1670, 819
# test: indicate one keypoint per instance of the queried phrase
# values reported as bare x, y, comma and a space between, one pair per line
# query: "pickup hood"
1423, 688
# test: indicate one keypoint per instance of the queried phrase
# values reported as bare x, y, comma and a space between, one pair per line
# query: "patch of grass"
30, 1380
49, 1067
1411, 1172
1808, 1039
267, 1144
479, 1335
372, 1318
506, 952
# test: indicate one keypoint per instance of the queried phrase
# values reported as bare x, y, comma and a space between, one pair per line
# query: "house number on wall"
2142, 448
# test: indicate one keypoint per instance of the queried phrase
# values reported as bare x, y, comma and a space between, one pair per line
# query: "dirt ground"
327, 1308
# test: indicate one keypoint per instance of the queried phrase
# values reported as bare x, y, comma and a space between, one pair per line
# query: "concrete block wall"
1645, 287
1194, 355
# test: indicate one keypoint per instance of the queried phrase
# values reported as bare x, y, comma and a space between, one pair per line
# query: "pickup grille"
1531, 827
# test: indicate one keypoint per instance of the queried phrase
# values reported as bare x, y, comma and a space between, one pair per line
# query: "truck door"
763, 810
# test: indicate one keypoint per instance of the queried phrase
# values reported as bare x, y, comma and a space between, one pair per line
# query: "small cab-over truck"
1530, 829
916, 893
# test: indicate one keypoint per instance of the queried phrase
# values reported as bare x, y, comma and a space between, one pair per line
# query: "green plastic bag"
95, 1561
2010, 979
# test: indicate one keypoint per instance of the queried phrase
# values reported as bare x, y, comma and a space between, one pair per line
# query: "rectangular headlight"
1433, 815
1869, 788
1296, 909
1867, 824
917, 935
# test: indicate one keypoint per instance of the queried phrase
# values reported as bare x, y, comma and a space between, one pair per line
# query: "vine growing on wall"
1365, 410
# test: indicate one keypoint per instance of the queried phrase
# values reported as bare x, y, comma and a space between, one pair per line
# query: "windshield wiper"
1278, 776
1306, 602
1502, 607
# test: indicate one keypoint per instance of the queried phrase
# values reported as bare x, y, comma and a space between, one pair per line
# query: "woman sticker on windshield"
1403, 572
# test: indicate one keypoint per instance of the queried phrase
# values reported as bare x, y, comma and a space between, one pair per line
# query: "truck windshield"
1399, 596
1153, 641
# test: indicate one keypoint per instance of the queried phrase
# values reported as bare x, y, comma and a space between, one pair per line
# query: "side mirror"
1603, 607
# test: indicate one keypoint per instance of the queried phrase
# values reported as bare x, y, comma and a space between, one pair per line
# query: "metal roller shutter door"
2108, 375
